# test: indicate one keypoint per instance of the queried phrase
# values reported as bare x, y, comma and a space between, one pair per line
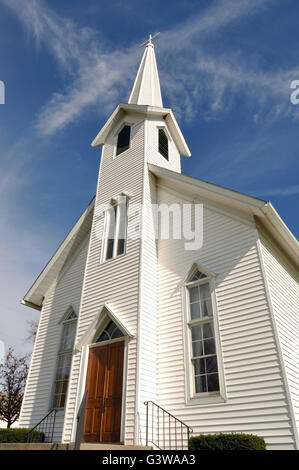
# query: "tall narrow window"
202, 336
163, 143
64, 360
123, 140
115, 233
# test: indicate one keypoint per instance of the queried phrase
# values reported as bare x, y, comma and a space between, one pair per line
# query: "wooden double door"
104, 383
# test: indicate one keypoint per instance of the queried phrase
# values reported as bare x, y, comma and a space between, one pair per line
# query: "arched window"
115, 229
202, 334
163, 143
123, 140
64, 359
110, 332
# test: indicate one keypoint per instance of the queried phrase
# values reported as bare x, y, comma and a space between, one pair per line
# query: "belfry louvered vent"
163, 143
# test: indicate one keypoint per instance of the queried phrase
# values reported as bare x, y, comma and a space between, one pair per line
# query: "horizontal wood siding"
256, 397
38, 398
116, 281
284, 293
148, 309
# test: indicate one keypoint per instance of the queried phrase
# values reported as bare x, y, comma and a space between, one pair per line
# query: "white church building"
201, 322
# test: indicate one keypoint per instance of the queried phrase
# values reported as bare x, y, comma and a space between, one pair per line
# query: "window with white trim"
115, 229
123, 139
163, 143
202, 335
64, 360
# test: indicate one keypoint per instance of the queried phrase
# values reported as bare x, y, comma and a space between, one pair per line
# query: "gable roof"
263, 211
34, 296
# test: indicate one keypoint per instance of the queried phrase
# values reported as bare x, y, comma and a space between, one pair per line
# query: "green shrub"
227, 442
19, 435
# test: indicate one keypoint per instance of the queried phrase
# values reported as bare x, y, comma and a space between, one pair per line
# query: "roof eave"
261, 210
144, 110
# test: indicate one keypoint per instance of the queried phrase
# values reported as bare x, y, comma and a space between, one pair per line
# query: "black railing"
43, 431
164, 430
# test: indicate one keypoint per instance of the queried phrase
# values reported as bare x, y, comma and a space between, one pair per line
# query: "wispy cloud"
281, 192
101, 76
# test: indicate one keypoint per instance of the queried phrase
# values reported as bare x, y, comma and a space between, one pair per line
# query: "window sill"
112, 259
206, 399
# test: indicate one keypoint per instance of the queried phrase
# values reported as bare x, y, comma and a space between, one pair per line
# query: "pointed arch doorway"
104, 385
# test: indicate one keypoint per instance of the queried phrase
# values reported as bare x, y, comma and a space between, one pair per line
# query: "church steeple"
146, 89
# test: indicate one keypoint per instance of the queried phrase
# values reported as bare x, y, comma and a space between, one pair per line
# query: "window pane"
116, 334
213, 382
209, 346
197, 276
111, 221
197, 348
122, 229
211, 364
123, 140
196, 332
103, 337
208, 330
163, 143
195, 311
205, 297
200, 384
68, 336
206, 307
63, 367
199, 366
110, 246
111, 332
194, 294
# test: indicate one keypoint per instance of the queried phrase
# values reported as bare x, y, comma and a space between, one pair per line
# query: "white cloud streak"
100, 76
280, 192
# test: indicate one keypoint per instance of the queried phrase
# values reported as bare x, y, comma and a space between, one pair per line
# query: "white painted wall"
116, 281
153, 155
256, 396
282, 281
38, 395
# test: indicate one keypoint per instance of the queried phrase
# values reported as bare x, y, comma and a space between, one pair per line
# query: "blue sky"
225, 69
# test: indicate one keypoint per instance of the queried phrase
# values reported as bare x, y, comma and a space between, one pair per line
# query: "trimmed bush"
19, 435
227, 442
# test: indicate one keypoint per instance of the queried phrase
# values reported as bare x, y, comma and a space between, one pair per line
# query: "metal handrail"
180, 435
43, 426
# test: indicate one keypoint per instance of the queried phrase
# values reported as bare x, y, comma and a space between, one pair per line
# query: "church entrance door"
104, 383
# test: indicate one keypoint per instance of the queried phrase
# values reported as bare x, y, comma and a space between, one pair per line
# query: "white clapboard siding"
256, 396
38, 396
148, 308
153, 156
116, 281
284, 293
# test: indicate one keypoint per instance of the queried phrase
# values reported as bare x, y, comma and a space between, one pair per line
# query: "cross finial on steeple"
149, 40
146, 89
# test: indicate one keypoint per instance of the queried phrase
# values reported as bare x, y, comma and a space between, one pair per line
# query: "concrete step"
84, 446
112, 446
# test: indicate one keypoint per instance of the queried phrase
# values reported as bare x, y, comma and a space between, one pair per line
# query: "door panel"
104, 385
113, 394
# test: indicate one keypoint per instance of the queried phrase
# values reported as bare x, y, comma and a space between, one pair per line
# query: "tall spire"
146, 89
